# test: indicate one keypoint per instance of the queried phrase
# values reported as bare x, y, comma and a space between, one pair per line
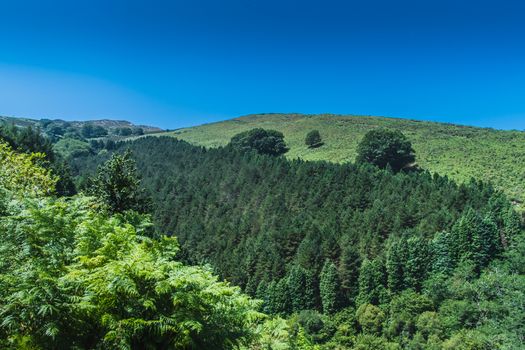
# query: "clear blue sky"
179, 63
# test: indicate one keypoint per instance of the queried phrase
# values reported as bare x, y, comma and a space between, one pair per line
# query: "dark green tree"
278, 297
486, 243
395, 265
418, 261
329, 287
372, 281
383, 148
301, 286
313, 139
443, 261
117, 185
262, 141
90, 130
476, 239
126, 131
511, 226
349, 264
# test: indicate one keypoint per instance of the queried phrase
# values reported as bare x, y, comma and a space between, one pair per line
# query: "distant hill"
73, 138
110, 125
461, 152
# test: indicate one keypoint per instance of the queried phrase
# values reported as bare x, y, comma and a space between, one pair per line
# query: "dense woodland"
340, 256
329, 238
458, 151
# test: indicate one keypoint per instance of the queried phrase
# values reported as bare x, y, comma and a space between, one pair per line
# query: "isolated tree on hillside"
383, 148
117, 185
313, 139
263, 141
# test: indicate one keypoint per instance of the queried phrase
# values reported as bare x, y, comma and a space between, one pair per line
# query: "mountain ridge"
104, 122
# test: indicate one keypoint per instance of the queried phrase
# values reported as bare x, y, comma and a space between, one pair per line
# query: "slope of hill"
461, 152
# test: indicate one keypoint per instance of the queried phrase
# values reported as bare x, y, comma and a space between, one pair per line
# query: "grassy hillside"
460, 152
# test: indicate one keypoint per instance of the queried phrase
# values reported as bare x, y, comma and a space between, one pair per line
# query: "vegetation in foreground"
76, 273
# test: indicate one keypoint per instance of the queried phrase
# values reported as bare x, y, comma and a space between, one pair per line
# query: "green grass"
461, 152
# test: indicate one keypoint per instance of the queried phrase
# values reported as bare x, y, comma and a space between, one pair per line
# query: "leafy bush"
263, 141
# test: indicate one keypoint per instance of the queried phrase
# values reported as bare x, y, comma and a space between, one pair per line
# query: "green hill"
461, 152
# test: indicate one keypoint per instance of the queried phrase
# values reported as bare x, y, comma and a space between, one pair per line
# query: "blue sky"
180, 63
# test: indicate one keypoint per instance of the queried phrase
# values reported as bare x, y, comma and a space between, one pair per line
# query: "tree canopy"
313, 139
386, 148
117, 185
358, 256
262, 141
341, 256
75, 277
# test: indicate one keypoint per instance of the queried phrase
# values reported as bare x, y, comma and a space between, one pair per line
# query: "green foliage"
20, 173
404, 311
71, 147
349, 264
370, 318
262, 141
468, 340
29, 140
78, 279
92, 131
370, 342
301, 289
313, 139
372, 281
459, 152
412, 249
476, 239
117, 185
26, 139
386, 148
329, 288
280, 334
255, 217
75, 278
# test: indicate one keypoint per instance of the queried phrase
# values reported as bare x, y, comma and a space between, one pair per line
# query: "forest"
457, 151
169, 245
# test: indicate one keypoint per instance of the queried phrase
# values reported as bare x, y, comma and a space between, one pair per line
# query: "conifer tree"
442, 259
511, 226
395, 265
329, 287
372, 280
117, 185
416, 265
485, 242
301, 289
349, 264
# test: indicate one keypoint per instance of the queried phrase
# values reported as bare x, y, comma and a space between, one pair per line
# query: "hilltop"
460, 152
